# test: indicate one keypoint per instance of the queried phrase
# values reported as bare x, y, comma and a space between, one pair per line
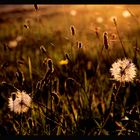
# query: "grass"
74, 98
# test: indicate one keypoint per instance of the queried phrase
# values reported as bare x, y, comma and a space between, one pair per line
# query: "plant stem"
71, 109
111, 109
120, 38
51, 107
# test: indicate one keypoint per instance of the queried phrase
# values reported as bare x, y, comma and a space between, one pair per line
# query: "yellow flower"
63, 62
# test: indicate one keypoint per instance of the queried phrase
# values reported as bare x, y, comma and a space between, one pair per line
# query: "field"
70, 70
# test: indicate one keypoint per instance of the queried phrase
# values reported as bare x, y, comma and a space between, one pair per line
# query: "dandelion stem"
51, 107
118, 89
20, 131
13, 112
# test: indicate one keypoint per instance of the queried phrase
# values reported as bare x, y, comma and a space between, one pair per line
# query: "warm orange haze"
70, 70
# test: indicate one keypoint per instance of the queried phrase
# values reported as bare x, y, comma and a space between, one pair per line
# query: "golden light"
126, 14
19, 38
99, 19
112, 18
12, 43
73, 12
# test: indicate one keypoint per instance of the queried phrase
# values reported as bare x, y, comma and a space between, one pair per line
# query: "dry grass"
61, 56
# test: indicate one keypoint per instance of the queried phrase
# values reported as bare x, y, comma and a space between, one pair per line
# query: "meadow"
58, 74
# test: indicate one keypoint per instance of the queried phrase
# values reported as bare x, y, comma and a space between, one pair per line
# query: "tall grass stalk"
50, 119
115, 23
134, 17
69, 103
51, 128
112, 105
30, 71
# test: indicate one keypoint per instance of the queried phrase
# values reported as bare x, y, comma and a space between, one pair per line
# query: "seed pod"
97, 33
114, 20
20, 77
106, 45
26, 26
43, 49
72, 30
50, 64
56, 97
79, 45
36, 7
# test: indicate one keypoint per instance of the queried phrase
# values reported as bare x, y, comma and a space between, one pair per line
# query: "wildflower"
63, 62
20, 103
123, 70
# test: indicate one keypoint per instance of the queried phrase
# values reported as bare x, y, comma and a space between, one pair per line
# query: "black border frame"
70, 1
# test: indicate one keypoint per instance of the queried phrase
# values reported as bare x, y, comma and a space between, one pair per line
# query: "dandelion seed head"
123, 70
21, 103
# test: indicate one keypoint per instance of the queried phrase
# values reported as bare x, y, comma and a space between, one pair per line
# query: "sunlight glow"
126, 14
112, 18
99, 19
73, 12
